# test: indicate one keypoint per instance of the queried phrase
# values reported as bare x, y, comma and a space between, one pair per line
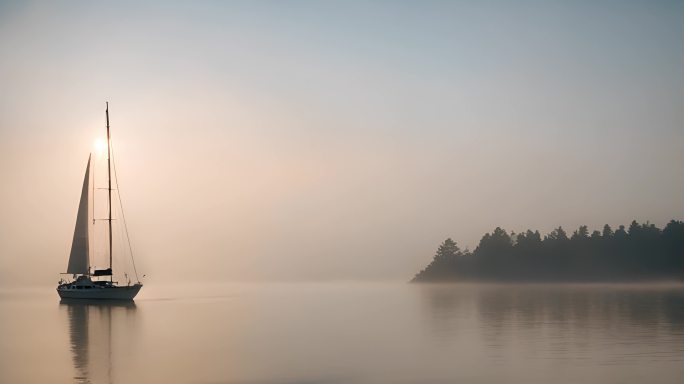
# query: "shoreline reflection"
560, 321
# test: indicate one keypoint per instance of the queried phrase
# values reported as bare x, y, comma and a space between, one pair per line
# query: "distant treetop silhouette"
642, 252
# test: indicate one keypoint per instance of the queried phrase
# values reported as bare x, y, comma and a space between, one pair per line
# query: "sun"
100, 146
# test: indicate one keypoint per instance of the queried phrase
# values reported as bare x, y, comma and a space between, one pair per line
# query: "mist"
298, 141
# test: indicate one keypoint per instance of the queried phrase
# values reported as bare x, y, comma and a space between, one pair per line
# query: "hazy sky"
292, 140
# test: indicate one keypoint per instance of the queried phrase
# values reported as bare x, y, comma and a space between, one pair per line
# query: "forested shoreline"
642, 252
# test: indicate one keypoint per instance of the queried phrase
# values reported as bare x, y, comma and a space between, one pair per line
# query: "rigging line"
92, 205
123, 217
93, 190
120, 236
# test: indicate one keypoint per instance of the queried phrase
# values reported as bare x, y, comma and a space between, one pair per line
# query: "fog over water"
287, 166
261, 141
349, 333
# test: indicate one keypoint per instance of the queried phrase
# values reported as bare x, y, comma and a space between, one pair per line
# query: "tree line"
638, 253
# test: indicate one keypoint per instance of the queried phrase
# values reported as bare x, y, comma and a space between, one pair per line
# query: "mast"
109, 190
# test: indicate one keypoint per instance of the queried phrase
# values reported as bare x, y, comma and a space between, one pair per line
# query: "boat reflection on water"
99, 331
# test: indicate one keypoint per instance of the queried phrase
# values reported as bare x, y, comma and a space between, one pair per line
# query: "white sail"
78, 259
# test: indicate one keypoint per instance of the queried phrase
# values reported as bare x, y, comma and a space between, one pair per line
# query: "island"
642, 252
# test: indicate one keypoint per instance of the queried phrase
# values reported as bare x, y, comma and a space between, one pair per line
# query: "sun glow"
100, 147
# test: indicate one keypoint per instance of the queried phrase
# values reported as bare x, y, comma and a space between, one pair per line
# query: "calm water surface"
348, 333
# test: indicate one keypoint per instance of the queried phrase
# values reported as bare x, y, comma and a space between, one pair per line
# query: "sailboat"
95, 285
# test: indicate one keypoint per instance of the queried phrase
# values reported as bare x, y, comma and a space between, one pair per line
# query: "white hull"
100, 293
